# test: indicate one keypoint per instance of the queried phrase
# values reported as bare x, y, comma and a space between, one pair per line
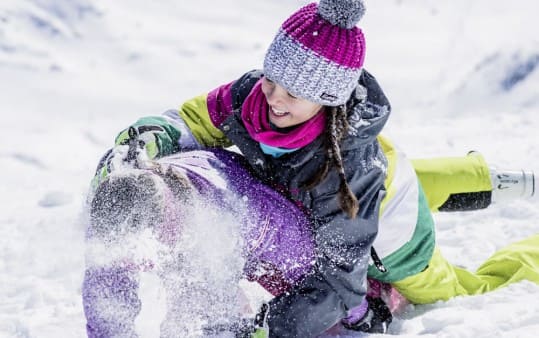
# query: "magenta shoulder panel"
220, 104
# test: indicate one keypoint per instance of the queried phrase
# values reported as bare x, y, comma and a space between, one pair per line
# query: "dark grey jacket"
343, 244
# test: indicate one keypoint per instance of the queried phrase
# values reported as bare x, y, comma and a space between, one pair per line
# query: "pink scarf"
254, 114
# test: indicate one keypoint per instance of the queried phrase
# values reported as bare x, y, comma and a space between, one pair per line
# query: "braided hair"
336, 129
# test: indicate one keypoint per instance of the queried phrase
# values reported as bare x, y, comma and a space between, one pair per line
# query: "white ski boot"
508, 185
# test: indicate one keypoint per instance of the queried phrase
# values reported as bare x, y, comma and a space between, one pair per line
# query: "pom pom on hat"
342, 13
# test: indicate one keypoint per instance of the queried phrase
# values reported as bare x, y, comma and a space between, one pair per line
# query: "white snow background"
460, 74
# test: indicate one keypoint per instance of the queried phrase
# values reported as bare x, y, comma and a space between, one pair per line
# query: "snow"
461, 75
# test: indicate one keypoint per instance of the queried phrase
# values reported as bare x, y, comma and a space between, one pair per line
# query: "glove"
376, 319
260, 333
126, 155
149, 138
155, 135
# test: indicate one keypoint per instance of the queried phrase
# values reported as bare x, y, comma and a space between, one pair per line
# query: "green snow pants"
441, 180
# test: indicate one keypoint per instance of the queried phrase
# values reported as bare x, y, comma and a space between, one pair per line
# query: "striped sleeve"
202, 123
205, 113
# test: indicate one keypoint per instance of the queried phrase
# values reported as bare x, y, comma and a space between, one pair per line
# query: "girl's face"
286, 110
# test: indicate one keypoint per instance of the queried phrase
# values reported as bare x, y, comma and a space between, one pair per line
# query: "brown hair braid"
336, 129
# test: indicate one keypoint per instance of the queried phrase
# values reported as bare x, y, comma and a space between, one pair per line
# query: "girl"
308, 127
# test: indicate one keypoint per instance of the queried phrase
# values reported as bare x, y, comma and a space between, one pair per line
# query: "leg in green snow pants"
440, 280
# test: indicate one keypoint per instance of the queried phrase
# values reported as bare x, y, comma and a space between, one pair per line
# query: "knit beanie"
318, 52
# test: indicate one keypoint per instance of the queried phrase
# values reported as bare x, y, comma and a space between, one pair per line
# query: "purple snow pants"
279, 253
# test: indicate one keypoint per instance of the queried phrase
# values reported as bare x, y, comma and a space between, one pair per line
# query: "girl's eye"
292, 96
268, 83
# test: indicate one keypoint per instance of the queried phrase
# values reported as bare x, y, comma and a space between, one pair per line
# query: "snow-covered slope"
461, 75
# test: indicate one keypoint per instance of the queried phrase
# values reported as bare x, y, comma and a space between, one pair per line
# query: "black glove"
376, 320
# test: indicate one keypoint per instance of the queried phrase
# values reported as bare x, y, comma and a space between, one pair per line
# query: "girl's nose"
277, 96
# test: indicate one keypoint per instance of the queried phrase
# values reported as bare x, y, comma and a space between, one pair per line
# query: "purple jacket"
279, 250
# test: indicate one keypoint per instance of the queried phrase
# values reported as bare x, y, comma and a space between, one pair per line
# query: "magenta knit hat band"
318, 57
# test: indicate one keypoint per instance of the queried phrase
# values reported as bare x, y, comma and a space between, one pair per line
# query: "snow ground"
461, 75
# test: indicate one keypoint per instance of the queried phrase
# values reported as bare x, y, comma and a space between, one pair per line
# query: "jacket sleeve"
110, 300
190, 127
338, 283
204, 114
195, 124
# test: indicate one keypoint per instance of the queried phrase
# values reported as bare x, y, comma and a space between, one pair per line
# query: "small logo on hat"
328, 97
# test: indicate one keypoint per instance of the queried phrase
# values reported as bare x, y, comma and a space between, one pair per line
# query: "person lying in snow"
320, 177
280, 247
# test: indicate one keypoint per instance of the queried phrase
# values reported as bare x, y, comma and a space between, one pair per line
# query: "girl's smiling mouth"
277, 112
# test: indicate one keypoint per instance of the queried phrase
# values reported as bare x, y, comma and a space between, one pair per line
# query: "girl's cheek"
265, 90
